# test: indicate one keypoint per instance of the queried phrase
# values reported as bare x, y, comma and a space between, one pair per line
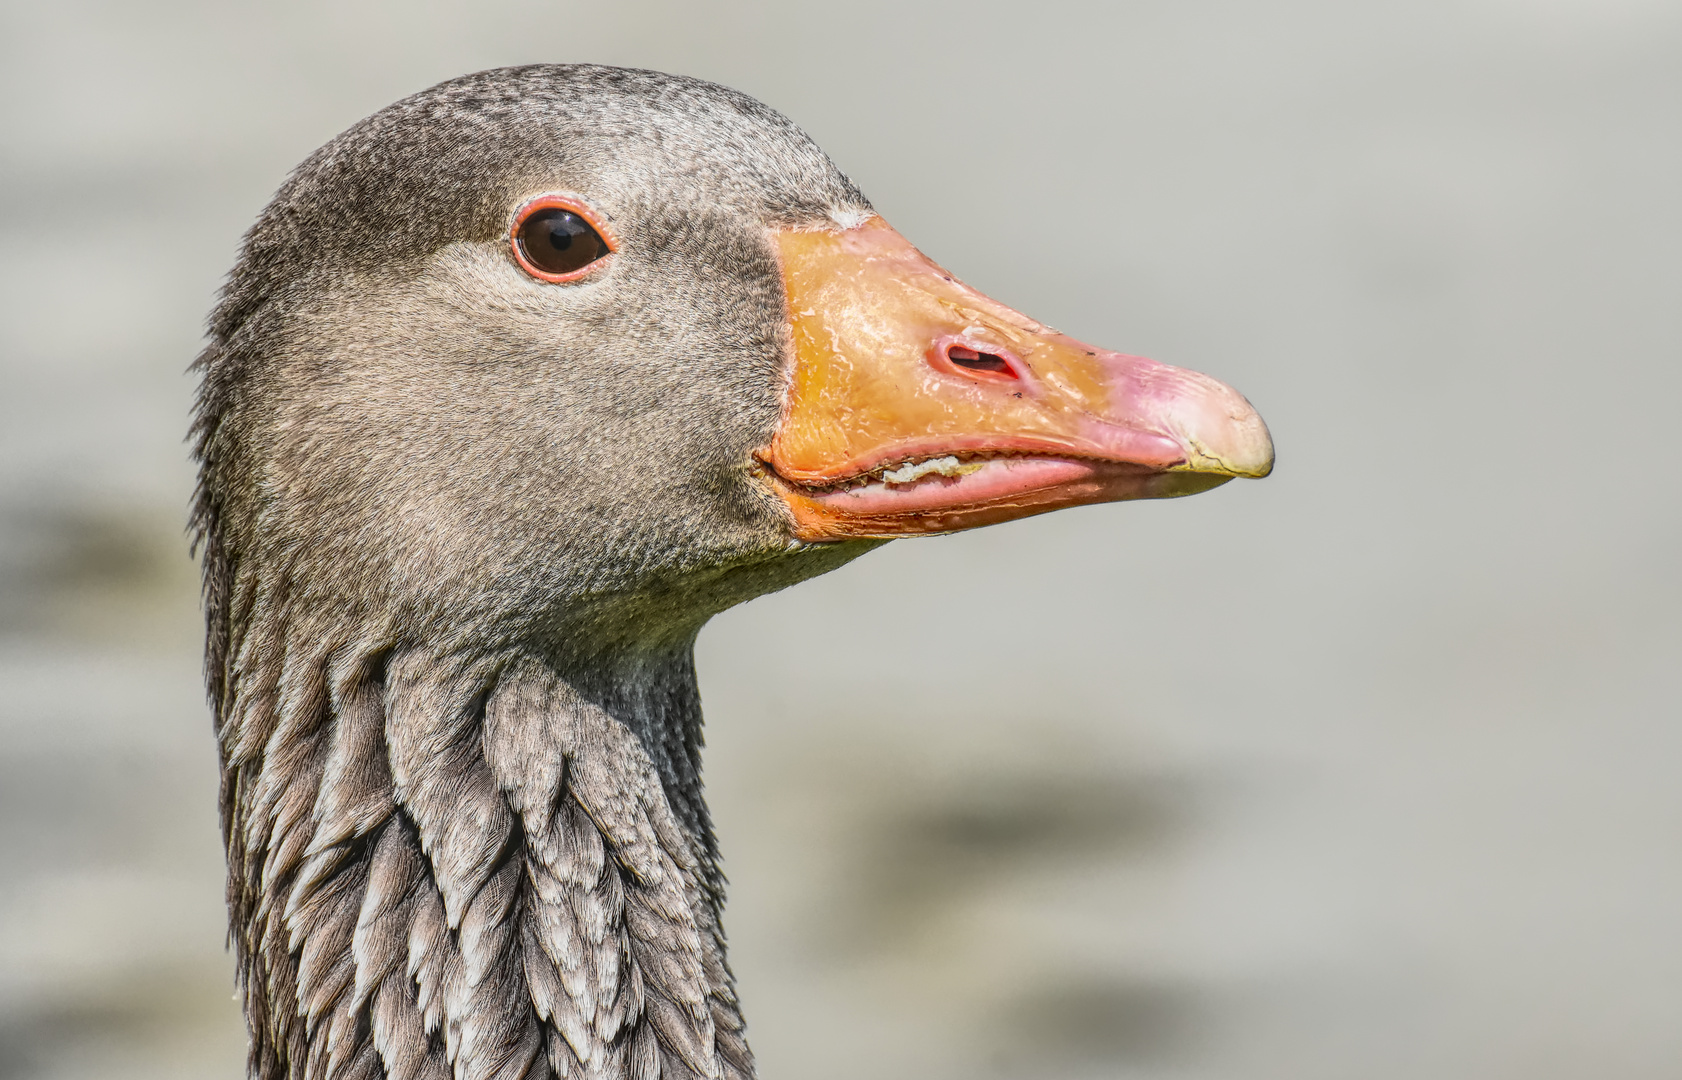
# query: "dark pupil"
558, 241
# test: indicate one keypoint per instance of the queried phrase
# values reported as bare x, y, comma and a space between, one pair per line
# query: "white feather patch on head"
849, 217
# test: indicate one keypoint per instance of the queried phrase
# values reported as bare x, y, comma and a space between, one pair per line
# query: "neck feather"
472, 870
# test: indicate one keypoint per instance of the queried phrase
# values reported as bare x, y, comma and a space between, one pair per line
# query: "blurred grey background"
1367, 770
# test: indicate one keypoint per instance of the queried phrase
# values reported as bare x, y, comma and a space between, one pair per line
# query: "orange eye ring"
559, 238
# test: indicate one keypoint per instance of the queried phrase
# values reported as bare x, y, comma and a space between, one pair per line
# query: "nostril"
972, 360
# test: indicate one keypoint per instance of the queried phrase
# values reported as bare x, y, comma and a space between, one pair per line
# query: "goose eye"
555, 243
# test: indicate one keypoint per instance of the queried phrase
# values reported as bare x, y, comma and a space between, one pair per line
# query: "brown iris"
556, 242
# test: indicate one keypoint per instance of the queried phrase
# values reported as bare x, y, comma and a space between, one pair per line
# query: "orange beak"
918, 405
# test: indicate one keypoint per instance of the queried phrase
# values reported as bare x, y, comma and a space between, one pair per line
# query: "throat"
488, 871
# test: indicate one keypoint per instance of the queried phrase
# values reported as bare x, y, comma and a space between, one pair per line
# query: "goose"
513, 385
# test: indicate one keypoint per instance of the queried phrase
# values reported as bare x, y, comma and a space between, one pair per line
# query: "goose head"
514, 385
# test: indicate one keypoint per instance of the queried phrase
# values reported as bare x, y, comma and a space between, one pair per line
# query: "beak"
918, 405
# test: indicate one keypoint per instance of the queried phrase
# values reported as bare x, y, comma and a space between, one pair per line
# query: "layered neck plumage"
472, 869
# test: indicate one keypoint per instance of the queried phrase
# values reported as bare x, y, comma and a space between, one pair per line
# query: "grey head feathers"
459, 531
